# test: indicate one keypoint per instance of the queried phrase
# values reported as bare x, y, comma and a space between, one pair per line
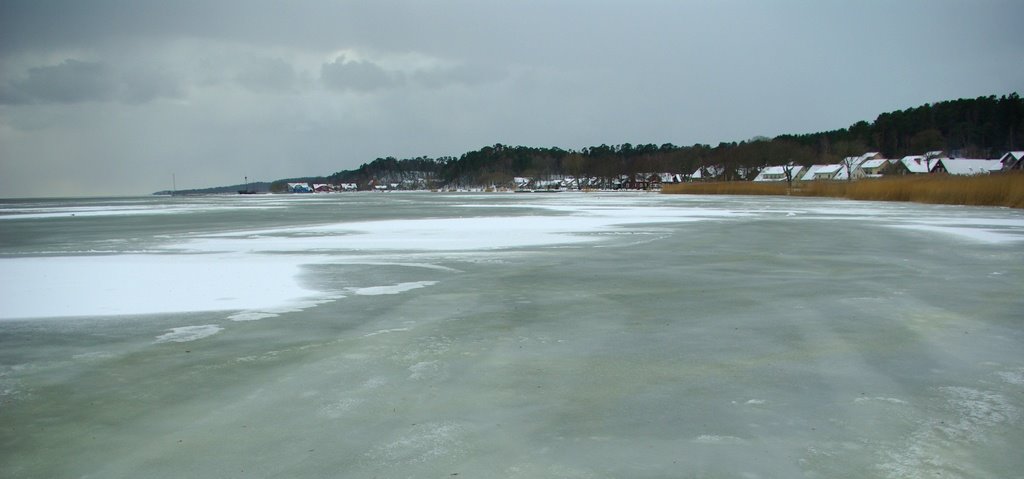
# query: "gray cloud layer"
344, 74
76, 81
213, 90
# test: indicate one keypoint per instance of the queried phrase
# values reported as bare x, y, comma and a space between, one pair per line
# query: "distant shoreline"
997, 189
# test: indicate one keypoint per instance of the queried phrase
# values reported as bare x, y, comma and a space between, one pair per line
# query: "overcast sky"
110, 97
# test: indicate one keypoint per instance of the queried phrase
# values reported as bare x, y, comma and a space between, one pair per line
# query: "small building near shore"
913, 165
707, 173
874, 168
1012, 160
821, 172
966, 166
779, 173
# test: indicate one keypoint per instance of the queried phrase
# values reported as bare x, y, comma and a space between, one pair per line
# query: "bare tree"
848, 163
788, 170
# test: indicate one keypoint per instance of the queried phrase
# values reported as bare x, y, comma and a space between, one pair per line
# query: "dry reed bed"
1000, 189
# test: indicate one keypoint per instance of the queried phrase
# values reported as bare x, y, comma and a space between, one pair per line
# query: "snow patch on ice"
716, 439
423, 443
930, 450
980, 235
385, 331
111, 285
1012, 377
291, 307
881, 399
428, 370
188, 333
392, 289
339, 408
96, 355
251, 316
456, 234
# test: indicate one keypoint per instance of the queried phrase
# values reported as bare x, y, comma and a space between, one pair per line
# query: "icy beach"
564, 335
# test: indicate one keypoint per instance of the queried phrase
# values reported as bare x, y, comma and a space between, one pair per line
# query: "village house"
874, 168
852, 166
912, 165
966, 166
779, 173
821, 172
708, 173
670, 178
1012, 160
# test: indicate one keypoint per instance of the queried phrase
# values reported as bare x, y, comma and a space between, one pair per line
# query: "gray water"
510, 335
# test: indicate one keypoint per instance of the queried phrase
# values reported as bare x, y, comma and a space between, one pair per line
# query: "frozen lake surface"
520, 336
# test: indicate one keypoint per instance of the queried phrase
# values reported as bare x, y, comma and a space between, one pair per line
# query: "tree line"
982, 127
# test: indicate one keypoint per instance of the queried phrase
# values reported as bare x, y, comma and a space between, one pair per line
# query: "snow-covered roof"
1011, 158
857, 161
967, 166
778, 173
708, 171
811, 172
918, 163
876, 163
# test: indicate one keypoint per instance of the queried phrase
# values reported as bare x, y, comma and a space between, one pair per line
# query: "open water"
571, 335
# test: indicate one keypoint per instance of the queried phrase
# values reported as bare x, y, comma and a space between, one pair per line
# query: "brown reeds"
997, 189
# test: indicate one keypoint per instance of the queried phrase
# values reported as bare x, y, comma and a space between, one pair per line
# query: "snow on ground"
105, 285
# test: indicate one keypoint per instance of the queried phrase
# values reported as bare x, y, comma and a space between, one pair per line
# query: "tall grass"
999, 189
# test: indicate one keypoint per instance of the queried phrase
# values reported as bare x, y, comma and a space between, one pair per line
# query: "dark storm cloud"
42, 24
71, 81
77, 81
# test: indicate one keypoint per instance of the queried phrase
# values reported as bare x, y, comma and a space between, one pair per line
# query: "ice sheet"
235, 271
95, 211
715, 337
